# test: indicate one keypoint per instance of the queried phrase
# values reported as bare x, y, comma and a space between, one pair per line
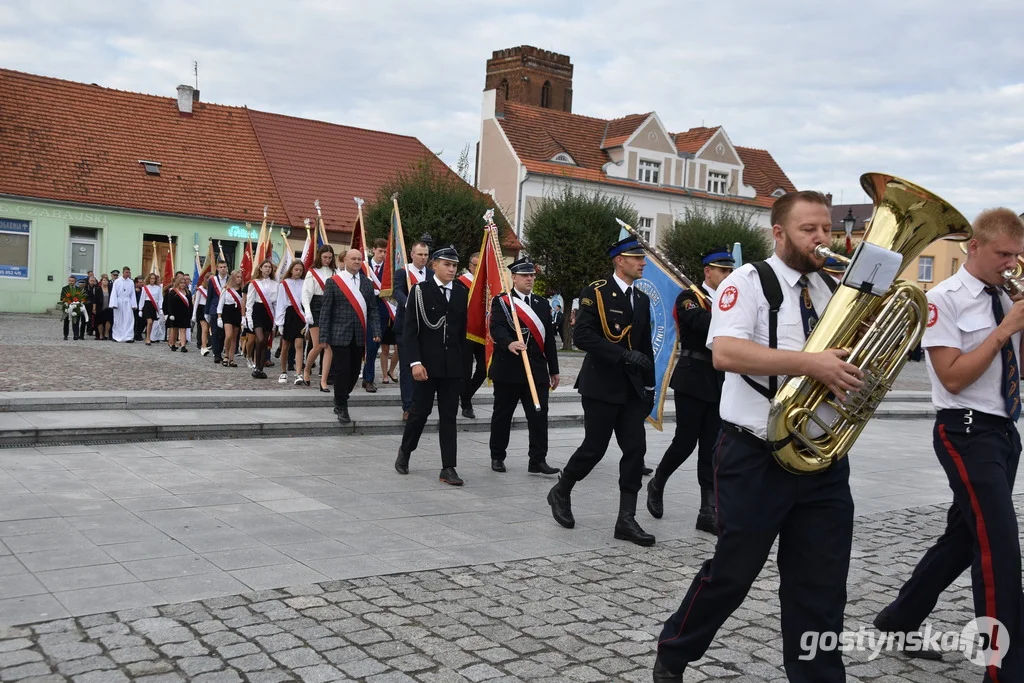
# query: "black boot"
662, 674
655, 491
706, 517
626, 528
342, 413
561, 506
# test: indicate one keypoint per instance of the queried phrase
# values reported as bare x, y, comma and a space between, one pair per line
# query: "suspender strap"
829, 282
773, 293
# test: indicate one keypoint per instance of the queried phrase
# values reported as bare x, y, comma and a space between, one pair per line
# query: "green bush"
698, 230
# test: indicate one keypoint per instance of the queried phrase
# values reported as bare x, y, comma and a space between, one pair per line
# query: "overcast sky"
931, 90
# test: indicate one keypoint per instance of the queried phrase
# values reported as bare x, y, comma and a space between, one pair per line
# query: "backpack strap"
773, 293
829, 282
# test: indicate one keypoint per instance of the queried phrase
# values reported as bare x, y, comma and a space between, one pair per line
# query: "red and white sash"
291, 295
202, 291
392, 310
316, 276
355, 298
234, 295
414, 278
216, 285
529, 318
467, 279
263, 298
372, 275
149, 296
184, 299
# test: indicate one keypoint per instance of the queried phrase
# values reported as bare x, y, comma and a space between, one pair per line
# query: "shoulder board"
598, 283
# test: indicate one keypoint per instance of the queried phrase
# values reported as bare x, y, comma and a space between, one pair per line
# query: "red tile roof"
81, 143
537, 134
690, 142
316, 160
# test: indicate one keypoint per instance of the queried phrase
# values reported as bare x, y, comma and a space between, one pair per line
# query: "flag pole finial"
316, 203
359, 201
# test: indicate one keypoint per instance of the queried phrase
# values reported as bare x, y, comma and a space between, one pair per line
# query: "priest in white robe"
123, 301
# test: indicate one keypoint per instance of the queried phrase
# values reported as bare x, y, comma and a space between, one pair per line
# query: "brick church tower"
527, 75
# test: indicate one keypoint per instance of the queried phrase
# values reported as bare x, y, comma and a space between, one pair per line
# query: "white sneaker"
205, 351
298, 380
283, 378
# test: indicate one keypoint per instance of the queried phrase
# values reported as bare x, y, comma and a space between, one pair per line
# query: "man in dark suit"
77, 323
617, 384
348, 316
435, 325
214, 287
697, 388
508, 372
416, 271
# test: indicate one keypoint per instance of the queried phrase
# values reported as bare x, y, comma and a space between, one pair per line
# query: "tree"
568, 235
433, 200
697, 231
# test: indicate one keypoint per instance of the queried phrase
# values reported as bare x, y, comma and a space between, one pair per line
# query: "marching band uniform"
616, 382
696, 389
403, 278
758, 500
508, 372
977, 443
474, 352
434, 327
348, 316
214, 290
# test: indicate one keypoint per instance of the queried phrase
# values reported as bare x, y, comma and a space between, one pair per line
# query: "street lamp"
848, 224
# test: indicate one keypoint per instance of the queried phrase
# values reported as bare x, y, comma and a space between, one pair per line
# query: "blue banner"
663, 290
18, 232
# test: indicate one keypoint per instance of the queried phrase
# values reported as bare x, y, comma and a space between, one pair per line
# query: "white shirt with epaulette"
960, 316
740, 310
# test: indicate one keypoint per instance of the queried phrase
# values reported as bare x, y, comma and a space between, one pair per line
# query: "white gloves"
140, 313
309, 318
220, 323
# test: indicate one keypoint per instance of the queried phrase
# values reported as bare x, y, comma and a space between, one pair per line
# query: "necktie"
526, 299
807, 312
1011, 373
629, 298
447, 293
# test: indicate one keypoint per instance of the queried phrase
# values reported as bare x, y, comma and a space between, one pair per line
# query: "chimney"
828, 198
186, 94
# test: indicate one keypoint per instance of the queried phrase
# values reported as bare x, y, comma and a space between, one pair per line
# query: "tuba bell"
810, 428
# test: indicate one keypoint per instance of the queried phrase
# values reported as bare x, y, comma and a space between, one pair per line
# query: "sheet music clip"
872, 269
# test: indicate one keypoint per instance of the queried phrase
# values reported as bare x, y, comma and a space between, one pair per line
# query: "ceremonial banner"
394, 260
208, 269
487, 284
168, 275
321, 230
287, 257
308, 252
247, 264
195, 270
358, 241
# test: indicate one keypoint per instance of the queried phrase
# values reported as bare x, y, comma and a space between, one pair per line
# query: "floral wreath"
72, 303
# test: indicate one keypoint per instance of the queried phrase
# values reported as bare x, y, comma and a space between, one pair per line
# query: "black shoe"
497, 465
217, 360
881, 622
662, 674
342, 413
626, 528
468, 412
184, 349
449, 476
707, 515
647, 471
65, 337
655, 503
561, 504
402, 462
174, 348
542, 468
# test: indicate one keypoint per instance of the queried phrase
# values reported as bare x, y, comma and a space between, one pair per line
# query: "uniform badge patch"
728, 298
586, 302
689, 305
933, 315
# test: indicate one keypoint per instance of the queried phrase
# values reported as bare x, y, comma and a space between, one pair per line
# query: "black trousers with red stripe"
979, 454
758, 501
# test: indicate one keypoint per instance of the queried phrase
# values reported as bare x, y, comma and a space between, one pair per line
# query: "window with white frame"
925, 265
649, 172
718, 183
644, 226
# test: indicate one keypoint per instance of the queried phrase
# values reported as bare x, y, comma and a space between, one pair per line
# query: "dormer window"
563, 158
718, 183
151, 167
778, 192
649, 172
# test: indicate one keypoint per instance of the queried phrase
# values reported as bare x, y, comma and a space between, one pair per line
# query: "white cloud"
926, 89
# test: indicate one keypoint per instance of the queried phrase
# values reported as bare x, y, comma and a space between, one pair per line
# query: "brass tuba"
811, 429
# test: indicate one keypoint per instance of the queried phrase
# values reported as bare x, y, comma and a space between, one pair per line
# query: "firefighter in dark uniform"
508, 371
972, 339
617, 385
696, 388
435, 325
759, 501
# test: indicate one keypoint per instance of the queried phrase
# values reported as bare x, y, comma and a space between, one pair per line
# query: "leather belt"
696, 355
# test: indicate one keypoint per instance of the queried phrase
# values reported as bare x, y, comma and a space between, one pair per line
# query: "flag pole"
507, 286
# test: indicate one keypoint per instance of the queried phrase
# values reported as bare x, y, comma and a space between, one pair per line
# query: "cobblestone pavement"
36, 358
587, 616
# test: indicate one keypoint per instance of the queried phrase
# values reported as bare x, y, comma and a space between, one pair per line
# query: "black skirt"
294, 325
388, 336
261, 320
314, 307
148, 310
232, 316
181, 310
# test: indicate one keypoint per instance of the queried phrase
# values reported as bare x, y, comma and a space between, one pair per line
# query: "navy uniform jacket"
507, 366
401, 293
440, 350
604, 376
695, 374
